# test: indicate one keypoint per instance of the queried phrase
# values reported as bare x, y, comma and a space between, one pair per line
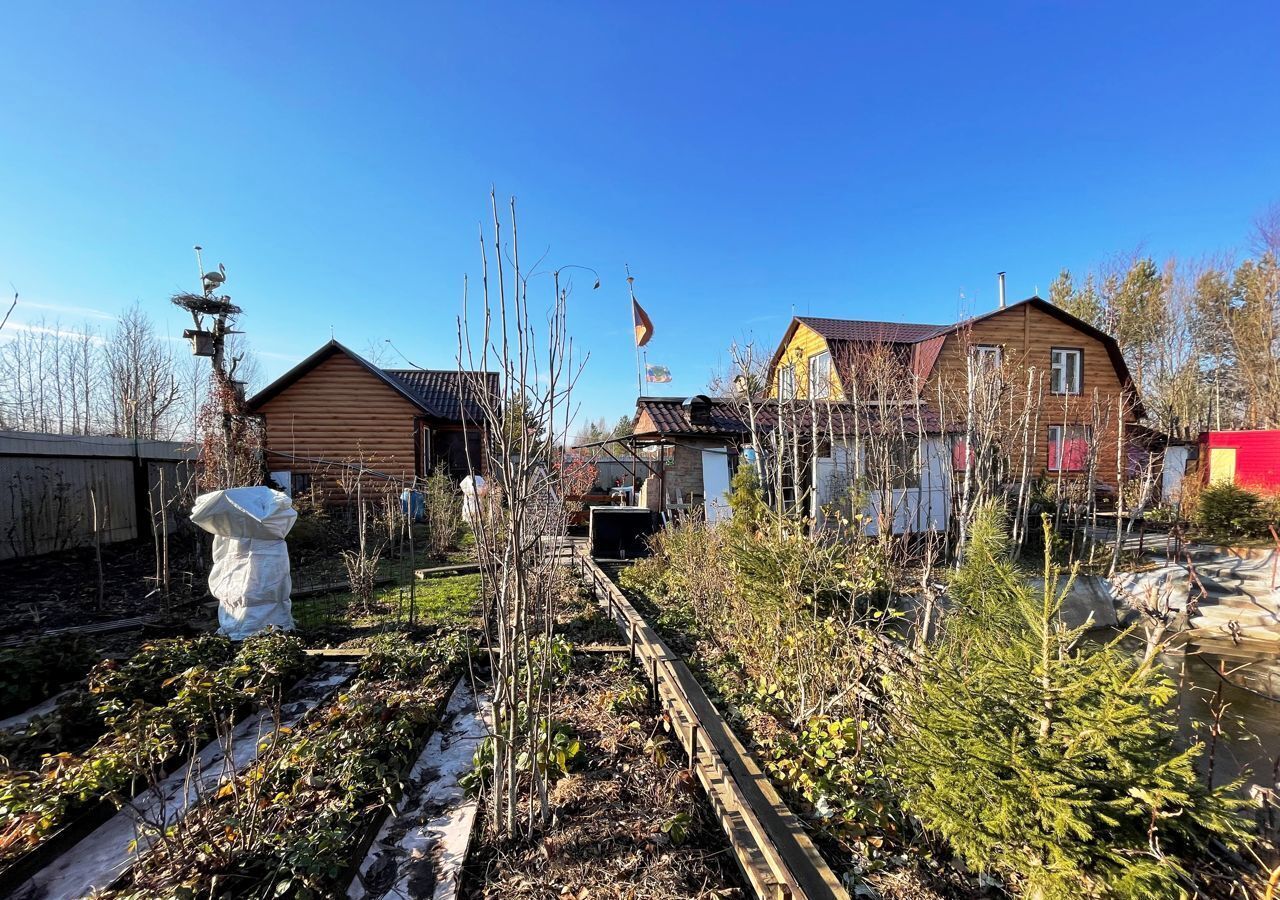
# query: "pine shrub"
1225, 510
1053, 762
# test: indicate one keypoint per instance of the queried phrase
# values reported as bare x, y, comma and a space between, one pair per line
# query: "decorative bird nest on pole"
206, 304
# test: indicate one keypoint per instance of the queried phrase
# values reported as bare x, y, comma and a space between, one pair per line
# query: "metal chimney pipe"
1000, 275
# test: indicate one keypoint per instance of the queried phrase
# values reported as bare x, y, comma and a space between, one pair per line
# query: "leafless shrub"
520, 522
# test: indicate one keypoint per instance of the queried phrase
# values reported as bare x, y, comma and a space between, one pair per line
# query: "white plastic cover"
250, 575
473, 488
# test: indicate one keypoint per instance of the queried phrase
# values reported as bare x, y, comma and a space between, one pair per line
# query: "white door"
715, 484
824, 477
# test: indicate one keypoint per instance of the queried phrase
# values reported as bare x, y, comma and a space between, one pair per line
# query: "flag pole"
634, 339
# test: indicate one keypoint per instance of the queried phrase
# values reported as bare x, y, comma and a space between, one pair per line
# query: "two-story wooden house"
1028, 374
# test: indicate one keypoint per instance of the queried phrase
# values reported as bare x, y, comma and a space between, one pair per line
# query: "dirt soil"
56, 590
628, 821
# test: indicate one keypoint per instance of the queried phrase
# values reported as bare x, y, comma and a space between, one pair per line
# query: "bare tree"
520, 523
143, 392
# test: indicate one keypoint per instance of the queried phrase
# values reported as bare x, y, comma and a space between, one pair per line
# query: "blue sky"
747, 160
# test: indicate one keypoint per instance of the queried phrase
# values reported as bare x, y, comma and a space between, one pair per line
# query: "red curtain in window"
1074, 455
961, 456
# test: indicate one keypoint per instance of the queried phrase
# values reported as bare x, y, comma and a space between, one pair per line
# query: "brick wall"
683, 471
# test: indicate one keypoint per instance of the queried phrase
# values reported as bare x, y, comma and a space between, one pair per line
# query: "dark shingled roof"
438, 390
670, 417
435, 392
870, 332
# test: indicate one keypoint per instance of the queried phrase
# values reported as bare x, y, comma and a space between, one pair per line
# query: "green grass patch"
439, 602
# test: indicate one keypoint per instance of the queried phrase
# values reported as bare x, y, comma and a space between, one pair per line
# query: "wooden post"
693, 747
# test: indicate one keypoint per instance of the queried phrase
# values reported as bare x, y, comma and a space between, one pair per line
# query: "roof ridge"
868, 321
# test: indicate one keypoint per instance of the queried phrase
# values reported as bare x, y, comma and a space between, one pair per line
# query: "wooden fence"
49, 484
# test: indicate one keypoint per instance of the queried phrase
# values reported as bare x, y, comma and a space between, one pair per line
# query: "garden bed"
134, 722
627, 817
296, 822
57, 590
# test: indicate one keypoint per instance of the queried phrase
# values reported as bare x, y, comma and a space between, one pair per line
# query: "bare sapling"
97, 548
361, 562
516, 359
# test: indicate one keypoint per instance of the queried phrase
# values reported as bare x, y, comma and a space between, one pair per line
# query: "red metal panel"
1257, 456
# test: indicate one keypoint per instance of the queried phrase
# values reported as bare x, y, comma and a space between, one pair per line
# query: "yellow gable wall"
804, 343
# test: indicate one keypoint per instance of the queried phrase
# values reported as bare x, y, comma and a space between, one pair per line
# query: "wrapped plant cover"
250, 575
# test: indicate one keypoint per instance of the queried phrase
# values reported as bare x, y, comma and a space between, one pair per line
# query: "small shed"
1250, 459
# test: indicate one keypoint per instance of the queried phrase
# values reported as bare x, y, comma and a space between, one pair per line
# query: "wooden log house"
336, 416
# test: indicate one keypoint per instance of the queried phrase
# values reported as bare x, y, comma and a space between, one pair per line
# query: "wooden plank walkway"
442, 571
772, 848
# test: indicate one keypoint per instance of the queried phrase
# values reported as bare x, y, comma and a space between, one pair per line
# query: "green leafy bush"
1051, 761
162, 702
142, 677
397, 657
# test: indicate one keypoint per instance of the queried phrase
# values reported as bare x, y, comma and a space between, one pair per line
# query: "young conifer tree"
1053, 762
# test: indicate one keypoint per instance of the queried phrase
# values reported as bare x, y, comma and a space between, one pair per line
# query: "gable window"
787, 382
1068, 448
1065, 364
987, 357
820, 376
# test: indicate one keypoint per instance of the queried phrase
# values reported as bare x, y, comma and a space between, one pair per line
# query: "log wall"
341, 412
1026, 335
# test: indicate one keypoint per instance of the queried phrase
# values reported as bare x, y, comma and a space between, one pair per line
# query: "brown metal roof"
870, 332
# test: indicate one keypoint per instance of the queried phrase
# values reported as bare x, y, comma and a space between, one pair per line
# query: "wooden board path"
442, 571
772, 848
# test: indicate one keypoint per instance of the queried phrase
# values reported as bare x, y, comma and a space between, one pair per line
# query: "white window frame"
988, 356
1059, 371
820, 383
787, 381
1084, 432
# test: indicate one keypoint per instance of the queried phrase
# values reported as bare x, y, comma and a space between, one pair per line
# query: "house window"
987, 357
1068, 448
820, 376
1064, 370
904, 464
786, 382
300, 484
